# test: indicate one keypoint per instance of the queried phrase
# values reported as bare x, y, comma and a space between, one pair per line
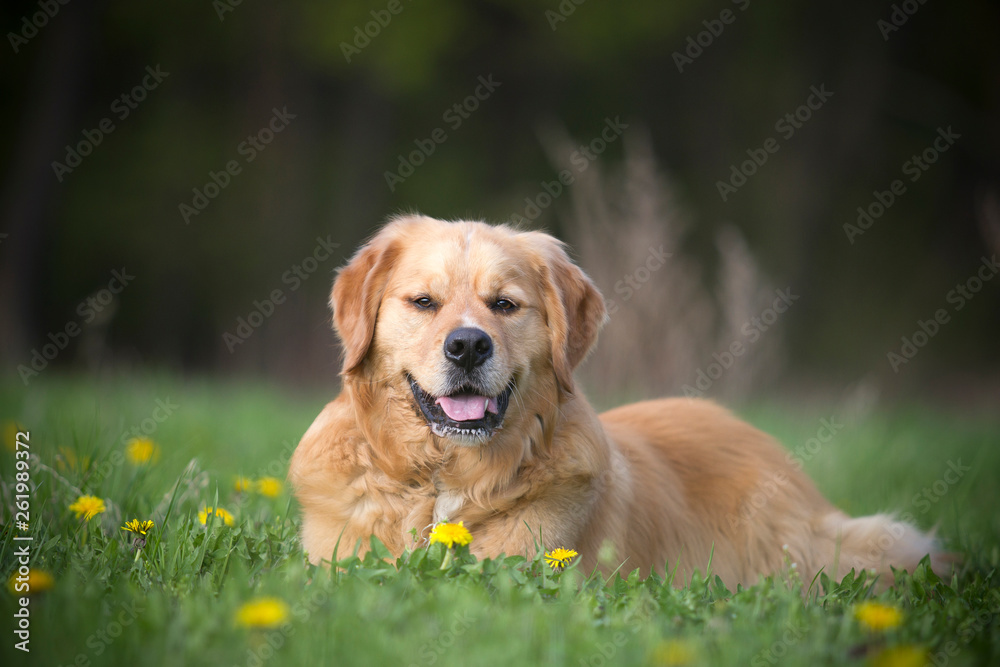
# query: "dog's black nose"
468, 347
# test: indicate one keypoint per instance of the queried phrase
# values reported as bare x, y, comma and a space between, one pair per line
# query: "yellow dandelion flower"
68, 460
560, 557
141, 451
269, 486
877, 616
36, 581
138, 527
219, 512
901, 656
262, 613
450, 534
10, 431
242, 484
88, 507
673, 652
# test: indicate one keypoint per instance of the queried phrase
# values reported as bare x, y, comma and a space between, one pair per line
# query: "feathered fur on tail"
874, 543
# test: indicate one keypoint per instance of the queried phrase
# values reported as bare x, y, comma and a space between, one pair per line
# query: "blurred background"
791, 198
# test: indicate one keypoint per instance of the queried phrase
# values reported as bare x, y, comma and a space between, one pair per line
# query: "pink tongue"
466, 407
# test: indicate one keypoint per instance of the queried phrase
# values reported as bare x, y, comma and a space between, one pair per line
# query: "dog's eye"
423, 302
504, 304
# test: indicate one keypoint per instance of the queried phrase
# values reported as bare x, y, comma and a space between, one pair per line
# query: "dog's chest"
447, 505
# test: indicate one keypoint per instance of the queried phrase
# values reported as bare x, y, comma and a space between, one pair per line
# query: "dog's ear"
574, 310
357, 294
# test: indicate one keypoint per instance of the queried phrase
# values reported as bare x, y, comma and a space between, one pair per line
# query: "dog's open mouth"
464, 413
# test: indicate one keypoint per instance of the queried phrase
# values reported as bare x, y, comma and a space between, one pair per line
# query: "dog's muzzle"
465, 414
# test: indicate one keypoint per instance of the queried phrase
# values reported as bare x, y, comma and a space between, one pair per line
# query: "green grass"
175, 604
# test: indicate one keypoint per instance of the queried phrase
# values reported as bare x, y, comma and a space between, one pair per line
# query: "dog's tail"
874, 543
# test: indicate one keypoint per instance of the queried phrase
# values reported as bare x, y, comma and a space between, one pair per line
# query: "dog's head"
471, 319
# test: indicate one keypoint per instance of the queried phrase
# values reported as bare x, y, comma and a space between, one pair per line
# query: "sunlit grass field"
242, 594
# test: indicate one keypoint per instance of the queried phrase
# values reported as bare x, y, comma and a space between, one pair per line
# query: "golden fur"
666, 482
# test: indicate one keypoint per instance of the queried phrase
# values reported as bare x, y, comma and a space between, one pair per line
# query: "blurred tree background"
362, 85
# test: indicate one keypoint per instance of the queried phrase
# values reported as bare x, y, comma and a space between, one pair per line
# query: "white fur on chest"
447, 505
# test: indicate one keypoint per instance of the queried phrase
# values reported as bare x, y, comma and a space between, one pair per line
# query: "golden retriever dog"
458, 403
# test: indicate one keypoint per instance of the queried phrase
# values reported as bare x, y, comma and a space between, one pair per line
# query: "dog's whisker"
517, 397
